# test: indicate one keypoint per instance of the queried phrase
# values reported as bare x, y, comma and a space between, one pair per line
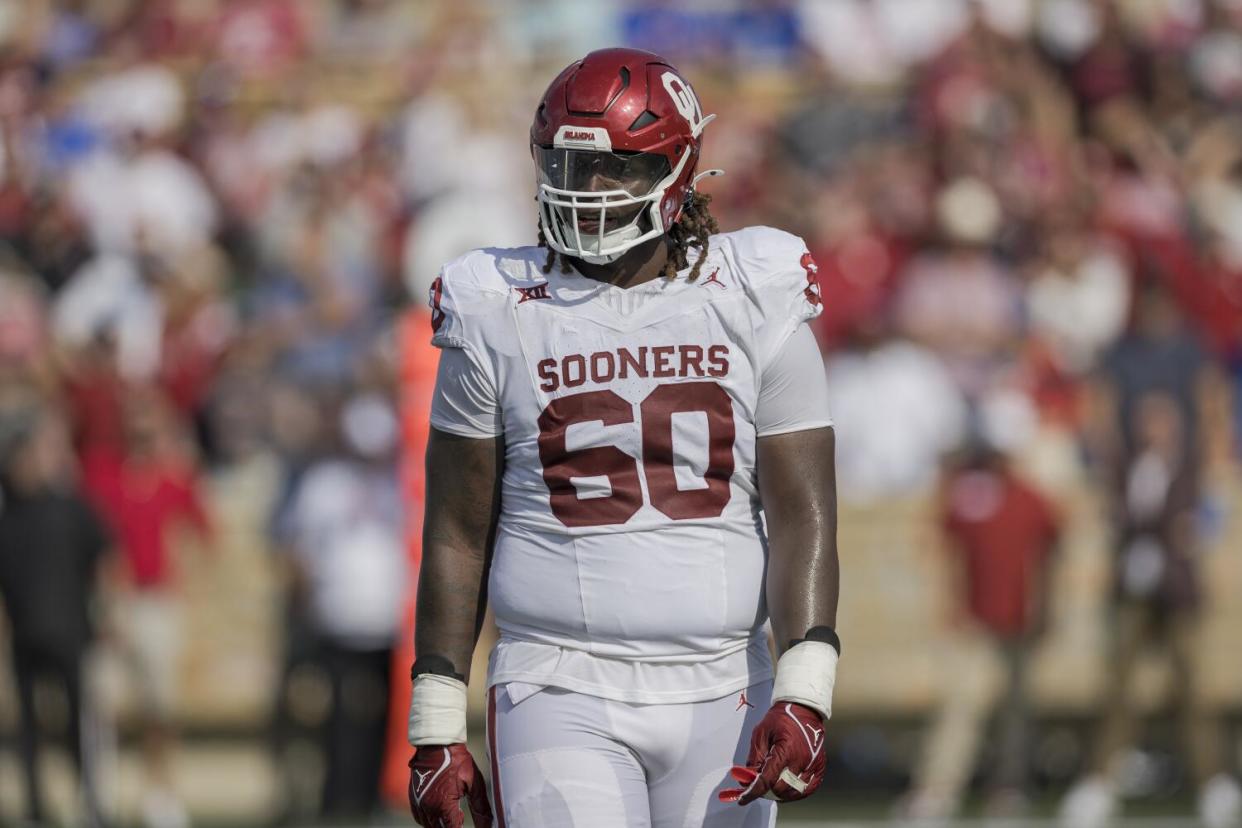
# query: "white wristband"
805, 674
437, 710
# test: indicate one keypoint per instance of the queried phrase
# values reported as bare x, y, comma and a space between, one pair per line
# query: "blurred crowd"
1027, 217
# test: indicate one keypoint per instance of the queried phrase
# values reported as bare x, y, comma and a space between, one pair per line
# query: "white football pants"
561, 759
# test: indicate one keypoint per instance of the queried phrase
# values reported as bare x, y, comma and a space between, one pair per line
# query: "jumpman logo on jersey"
714, 279
741, 702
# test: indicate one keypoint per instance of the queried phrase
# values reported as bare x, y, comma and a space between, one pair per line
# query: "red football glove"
439, 777
786, 759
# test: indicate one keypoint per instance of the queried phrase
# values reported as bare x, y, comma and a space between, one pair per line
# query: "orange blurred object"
418, 378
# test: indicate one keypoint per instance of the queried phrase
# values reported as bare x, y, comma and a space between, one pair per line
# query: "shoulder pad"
473, 286
777, 270
765, 253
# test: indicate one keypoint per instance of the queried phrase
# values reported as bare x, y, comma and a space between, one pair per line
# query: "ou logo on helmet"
685, 101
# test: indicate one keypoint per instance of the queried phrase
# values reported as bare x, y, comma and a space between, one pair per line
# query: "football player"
631, 457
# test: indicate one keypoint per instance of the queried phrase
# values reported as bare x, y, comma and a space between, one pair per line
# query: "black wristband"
436, 665
826, 635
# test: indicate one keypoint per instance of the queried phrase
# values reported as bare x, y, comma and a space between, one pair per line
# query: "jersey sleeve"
448, 329
465, 401
793, 391
462, 299
784, 283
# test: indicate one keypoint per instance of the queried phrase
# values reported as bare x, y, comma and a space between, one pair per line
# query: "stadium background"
219, 218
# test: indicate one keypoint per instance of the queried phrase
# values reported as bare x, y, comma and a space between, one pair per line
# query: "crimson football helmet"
616, 141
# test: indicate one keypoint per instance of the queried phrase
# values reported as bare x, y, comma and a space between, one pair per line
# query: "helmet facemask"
597, 204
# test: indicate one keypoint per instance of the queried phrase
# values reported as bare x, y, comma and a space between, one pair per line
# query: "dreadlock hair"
694, 227
551, 261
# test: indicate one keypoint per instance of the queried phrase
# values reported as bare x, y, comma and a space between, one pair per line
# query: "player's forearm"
797, 485
462, 504
803, 585
451, 597
798, 490
449, 592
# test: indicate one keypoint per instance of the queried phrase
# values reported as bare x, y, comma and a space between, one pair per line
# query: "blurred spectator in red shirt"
858, 265
1001, 533
152, 488
146, 492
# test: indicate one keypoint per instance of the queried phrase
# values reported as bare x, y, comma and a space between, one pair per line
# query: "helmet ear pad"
676, 198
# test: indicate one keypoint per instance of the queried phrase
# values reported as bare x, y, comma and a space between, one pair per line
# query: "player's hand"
439, 777
786, 759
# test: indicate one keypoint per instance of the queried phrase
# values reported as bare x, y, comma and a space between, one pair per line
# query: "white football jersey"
630, 552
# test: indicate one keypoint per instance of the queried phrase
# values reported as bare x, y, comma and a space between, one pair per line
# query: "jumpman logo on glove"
786, 760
